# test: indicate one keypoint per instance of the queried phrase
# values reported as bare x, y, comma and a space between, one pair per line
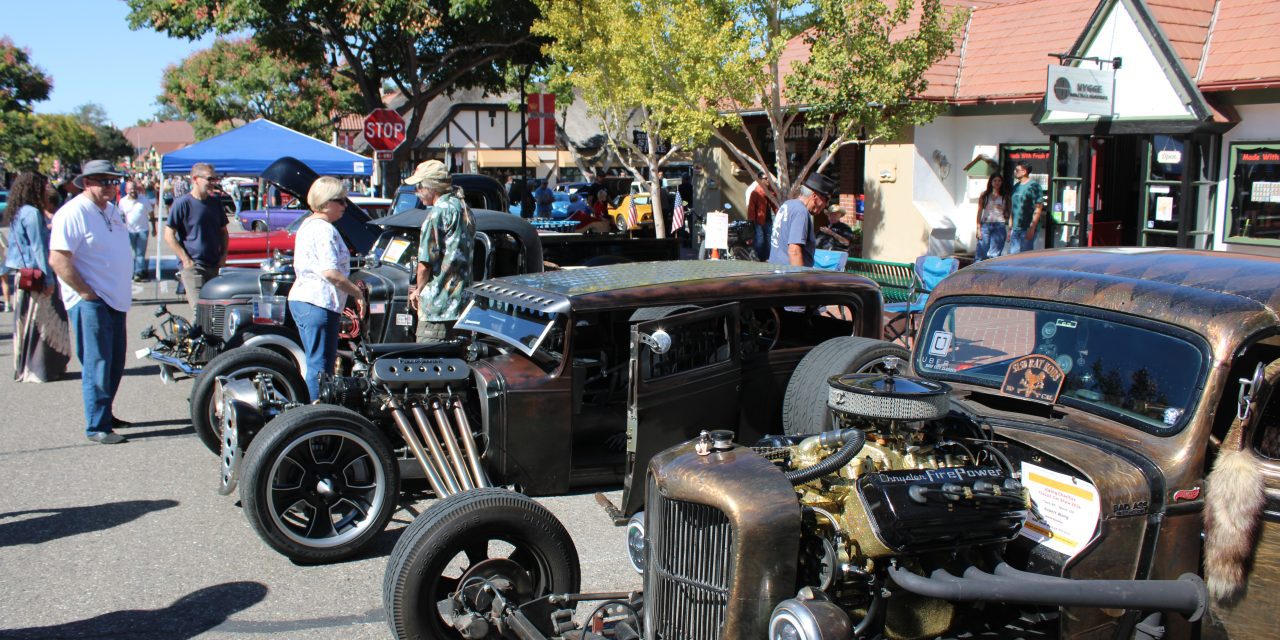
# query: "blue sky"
87, 48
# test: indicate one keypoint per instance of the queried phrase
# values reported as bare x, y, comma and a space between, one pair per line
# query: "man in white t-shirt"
137, 218
89, 251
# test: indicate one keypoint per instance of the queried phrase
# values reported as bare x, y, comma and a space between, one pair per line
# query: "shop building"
1186, 153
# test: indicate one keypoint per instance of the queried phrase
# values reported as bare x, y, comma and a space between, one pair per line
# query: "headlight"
809, 616
636, 542
235, 318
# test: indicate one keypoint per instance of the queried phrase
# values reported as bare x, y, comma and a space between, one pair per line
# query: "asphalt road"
132, 541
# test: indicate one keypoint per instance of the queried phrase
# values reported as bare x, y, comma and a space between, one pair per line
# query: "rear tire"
259, 225
237, 363
459, 530
804, 407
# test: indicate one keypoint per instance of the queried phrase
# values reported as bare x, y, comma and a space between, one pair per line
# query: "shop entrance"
1115, 190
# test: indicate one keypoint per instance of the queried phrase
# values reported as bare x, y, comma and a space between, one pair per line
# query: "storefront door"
1115, 168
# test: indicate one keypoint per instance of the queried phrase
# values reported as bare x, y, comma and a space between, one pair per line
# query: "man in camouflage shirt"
444, 253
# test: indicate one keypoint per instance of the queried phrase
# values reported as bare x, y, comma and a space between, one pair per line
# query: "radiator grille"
691, 547
211, 318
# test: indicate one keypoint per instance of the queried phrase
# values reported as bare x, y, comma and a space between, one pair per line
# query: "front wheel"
239, 364
804, 407
259, 225
472, 537
319, 483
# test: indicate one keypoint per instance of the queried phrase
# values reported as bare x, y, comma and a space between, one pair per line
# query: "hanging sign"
1080, 90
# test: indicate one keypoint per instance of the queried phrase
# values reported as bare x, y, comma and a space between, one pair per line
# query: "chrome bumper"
168, 364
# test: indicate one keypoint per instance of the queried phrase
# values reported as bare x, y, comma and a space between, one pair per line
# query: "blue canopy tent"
250, 148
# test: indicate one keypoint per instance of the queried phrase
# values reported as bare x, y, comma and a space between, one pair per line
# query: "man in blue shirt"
792, 240
544, 198
197, 232
1026, 206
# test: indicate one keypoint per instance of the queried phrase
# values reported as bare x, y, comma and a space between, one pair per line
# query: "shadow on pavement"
161, 433
53, 524
187, 617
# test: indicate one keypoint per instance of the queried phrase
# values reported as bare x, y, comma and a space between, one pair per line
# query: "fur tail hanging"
1233, 508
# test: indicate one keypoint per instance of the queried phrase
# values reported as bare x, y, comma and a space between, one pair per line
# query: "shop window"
1254, 192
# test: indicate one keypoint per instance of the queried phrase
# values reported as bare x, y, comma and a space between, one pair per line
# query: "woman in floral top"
321, 263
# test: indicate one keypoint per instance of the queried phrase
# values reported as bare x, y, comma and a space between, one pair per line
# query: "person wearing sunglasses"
197, 232
322, 265
90, 253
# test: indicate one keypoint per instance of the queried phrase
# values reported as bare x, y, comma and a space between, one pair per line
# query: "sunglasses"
106, 182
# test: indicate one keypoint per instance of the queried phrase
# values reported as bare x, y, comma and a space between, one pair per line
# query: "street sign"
384, 129
383, 156
541, 122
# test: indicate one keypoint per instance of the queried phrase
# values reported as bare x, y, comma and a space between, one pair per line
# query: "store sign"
1080, 90
1169, 156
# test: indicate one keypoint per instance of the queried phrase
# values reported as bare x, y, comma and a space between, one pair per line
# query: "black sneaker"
106, 437
117, 423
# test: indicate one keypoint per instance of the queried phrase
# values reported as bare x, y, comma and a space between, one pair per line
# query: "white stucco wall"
1258, 123
940, 193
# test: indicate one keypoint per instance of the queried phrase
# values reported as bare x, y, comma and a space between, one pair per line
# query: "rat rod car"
1090, 449
563, 371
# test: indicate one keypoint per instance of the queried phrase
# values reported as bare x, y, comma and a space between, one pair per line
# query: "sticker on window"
395, 249
1034, 377
940, 344
404, 320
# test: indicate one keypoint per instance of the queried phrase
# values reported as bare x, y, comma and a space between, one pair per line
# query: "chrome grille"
211, 318
690, 546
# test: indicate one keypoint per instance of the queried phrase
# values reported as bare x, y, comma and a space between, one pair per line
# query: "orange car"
620, 206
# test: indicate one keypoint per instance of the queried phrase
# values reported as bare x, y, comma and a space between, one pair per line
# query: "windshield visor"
1126, 369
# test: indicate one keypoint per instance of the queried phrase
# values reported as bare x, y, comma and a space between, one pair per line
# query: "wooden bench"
896, 279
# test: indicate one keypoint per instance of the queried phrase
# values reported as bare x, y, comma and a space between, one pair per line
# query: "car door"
685, 376
1252, 614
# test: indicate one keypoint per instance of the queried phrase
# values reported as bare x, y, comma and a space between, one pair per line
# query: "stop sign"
384, 129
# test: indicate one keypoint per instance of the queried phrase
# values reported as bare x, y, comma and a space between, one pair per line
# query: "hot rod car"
571, 378
1089, 447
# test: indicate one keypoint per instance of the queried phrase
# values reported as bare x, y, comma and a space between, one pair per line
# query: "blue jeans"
762, 241
100, 342
318, 328
138, 239
991, 244
1018, 242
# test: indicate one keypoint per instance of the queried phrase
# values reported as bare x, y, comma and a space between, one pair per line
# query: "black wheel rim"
326, 488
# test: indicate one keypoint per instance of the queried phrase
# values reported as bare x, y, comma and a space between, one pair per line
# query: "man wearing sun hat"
91, 254
444, 252
792, 240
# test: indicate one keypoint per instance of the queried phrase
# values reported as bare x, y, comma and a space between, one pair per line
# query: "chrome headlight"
809, 616
235, 318
636, 542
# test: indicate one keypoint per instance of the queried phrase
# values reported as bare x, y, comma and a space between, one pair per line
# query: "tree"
690, 69
242, 80
108, 141
423, 48
68, 139
21, 84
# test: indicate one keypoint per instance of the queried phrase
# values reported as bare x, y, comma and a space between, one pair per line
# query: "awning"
507, 158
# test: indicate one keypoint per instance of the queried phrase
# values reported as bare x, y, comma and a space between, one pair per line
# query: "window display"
1255, 191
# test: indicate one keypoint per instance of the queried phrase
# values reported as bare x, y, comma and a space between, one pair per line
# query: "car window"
405, 200
1130, 370
476, 200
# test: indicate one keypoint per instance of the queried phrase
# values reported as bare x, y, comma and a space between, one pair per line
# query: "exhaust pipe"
1187, 595
468, 442
433, 447
406, 431
450, 443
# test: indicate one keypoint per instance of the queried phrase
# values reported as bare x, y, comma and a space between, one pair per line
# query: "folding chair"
929, 271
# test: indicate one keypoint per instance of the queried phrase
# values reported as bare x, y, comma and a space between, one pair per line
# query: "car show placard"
1064, 510
717, 230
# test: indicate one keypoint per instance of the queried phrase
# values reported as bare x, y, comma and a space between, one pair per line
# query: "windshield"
1138, 373
519, 327
405, 200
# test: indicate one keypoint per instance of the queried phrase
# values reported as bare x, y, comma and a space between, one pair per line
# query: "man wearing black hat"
792, 240
90, 253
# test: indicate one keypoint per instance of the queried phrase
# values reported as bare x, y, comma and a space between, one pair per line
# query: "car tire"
804, 407
289, 487
258, 226
241, 362
742, 253
422, 567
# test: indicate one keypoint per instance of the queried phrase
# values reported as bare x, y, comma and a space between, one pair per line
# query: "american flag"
633, 218
677, 216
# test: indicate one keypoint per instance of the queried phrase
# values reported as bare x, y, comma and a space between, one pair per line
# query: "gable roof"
1241, 47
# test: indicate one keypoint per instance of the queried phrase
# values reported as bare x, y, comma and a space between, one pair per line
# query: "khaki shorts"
434, 331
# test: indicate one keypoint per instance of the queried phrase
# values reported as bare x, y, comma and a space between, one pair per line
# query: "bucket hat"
95, 168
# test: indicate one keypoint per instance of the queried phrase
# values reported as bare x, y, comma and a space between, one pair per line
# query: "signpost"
384, 130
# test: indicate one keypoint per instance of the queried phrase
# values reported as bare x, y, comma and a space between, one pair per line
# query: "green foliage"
71, 139
21, 82
241, 80
19, 141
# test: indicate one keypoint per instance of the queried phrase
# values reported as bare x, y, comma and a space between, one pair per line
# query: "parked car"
479, 191
252, 247
1089, 447
570, 379
559, 206
620, 208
